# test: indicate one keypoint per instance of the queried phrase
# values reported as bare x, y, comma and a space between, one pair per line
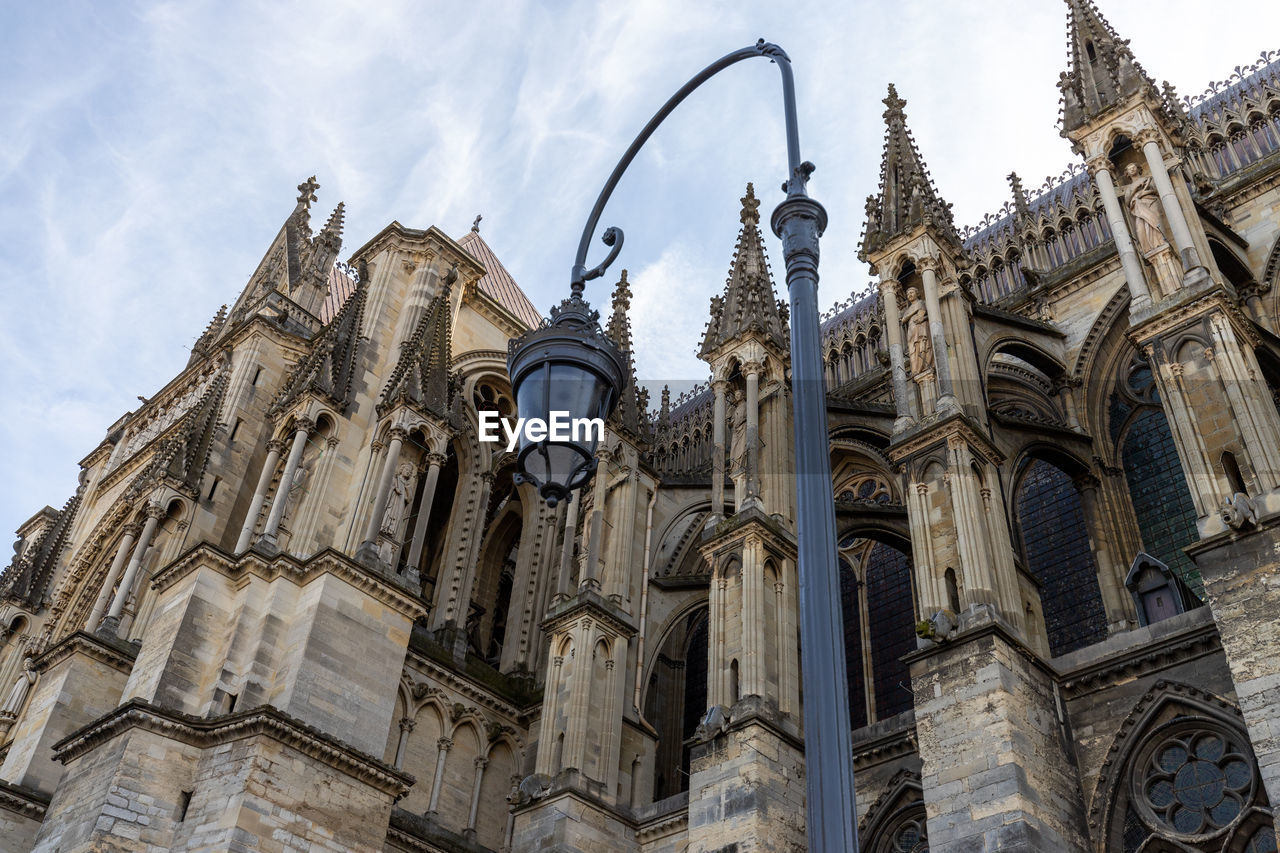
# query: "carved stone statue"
919, 350
21, 687
398, 501
297, 486
738, 430
1143, 201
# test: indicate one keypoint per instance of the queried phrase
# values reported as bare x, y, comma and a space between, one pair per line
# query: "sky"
151, 151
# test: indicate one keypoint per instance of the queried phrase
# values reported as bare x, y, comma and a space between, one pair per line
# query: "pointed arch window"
879, 623
1157, 486
1055, 544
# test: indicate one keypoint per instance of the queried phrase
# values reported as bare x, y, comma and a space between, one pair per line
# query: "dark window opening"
1056, 544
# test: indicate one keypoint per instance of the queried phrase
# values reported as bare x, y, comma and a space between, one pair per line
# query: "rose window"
910, 838
1196, 782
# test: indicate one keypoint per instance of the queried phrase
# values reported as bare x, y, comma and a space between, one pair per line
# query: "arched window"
676, 700
880, 615
850, 605
495, 574
1158, 489
1055, 544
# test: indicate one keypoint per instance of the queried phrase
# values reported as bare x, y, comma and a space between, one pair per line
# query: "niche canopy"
568, 368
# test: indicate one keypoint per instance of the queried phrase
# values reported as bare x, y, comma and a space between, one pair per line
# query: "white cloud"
151, 152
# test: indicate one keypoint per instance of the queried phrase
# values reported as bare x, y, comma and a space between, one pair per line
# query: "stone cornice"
117, 655
1187, 310
23, 801
663, 825
420, 664
264, 721
992, 627
750, 522
384, 589
1183, 646
589, 604
885, 747
933, 433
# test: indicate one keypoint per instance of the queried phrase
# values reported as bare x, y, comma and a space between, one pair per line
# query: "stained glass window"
1056, 543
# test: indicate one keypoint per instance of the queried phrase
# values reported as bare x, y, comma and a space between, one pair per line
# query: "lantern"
566, 374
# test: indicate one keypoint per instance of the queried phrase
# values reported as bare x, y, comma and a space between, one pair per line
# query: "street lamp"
572, 349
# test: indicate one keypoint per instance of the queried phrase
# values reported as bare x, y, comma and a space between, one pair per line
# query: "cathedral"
296, 604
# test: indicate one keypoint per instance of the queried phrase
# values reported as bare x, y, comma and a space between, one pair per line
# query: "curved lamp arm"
797, 172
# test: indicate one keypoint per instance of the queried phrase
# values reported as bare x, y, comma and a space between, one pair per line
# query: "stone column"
719, 387
300, 435
937, 335
435, 461
1172, 207
545, 762
481, 764
897, 361
131, 531
369, 546
442, 752
1133, 275
1118, 602
406, 726
598, 487
752, 372
566, 551
155, 512
274, 448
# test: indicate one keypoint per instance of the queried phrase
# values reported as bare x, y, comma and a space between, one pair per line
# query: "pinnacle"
335, 220
906, 197
893, 103
307, 192
1101, 69
750, 207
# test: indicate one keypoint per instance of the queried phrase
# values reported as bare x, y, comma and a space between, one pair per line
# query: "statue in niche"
919, 350
297, 486
1143, 201
738, 428
398, 500
21, 687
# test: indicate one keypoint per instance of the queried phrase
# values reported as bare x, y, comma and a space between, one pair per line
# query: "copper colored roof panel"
497, 283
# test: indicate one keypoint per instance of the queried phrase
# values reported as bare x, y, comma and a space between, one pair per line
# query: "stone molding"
384, 589
592, 605
1158, 654
886, 747
1196, 304
932, 433
264, 721
23, 801
118, 655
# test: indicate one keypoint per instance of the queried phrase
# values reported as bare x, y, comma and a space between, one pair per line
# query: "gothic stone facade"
295, 604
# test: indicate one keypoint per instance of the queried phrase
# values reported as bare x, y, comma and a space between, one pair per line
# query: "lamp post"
571, 350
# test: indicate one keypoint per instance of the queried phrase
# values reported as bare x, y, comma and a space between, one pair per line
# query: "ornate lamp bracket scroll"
797, 172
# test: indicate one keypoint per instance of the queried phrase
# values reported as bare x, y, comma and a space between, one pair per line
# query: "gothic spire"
907, 197
27, 578
422, 375
749, 304
1101, 69
631, 408
330, 366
